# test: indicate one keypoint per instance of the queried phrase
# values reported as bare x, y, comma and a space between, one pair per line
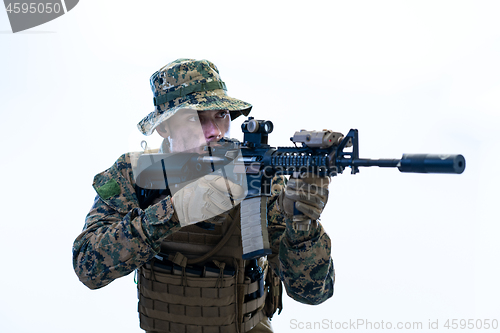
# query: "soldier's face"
190, 130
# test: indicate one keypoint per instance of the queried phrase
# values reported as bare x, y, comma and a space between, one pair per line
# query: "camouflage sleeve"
302, 259
118, 236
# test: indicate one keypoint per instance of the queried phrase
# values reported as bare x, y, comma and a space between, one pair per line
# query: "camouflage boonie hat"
189, 84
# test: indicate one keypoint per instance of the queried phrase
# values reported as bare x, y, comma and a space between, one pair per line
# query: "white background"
412, 77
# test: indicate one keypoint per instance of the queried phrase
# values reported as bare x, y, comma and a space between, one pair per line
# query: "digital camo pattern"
303, 257
119, 237
183, 73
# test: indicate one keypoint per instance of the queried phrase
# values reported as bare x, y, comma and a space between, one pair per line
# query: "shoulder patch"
108, 190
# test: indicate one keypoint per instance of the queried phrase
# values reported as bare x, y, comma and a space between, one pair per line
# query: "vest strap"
183, 314
252, 322
179, 259
254, 304
157, 325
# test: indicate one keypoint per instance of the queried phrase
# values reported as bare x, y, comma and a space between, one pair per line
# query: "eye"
223, 114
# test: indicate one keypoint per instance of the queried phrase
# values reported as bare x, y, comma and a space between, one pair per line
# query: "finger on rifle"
316, 180
310, 211
312, 178
300, 184
306, 197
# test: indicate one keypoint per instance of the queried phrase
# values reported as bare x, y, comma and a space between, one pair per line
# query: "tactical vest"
177, 299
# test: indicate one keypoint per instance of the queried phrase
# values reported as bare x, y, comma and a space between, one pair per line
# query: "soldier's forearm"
296, 237
306, 267
111, 247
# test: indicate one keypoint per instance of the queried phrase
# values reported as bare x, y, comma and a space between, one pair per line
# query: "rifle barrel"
383, 163
416, 163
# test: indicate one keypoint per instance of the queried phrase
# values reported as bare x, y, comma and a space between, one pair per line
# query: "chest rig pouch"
197, 283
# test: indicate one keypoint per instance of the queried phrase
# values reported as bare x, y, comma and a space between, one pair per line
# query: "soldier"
191, 275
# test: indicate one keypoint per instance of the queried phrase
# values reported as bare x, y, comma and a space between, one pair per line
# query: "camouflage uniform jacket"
119, 236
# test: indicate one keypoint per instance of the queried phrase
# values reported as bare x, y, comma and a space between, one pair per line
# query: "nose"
211, 131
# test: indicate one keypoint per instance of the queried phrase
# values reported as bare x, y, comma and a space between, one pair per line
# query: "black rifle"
322, 153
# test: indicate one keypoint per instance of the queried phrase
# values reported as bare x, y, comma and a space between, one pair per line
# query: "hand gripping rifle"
322, 153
